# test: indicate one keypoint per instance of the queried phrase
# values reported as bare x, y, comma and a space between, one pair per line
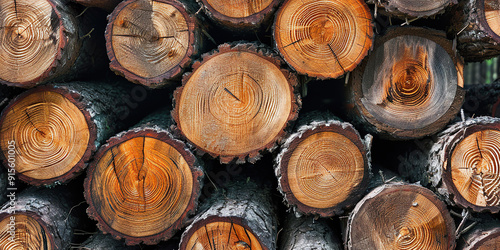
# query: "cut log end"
413, 9
472, 172
324, 170
32, 37
484, 236
323, 39
150, 42
142, 176
24, 231
237, 102
411, 85
490, 17
33, 125
399, 216
221, 233
239, 14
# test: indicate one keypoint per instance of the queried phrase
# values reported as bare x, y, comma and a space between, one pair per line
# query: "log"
38, 219
323, 39
476, 25
56, 128
400, 216
411, 85
46, 41
143, 184
101, 241
323, 168
308, 234
463, 164
485, 235
241, 218
405, 9
152, 42
236, 103
107, 5
239, 15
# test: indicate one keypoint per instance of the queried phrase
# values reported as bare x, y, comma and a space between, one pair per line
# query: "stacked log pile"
265, 124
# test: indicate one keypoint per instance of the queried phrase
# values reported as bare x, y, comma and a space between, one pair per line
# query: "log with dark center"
400, 216
237, 14
476, 24
323, 168
410, 86
241, 218
465, 163
39, 219
44, 40
56, 128
411, 9
236, 103
323, 39
152, 42
144, 183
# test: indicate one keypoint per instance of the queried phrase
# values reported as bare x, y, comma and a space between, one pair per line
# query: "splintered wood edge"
251, 21
63, 41
47, 231
463, 131
399, 13
388, 131
74, 98
164, 136
400, 186
188, 233
163, 79
484, 22
281, 163
266, 54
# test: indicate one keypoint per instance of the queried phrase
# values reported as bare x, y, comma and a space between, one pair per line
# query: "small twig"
88, 34
465, 27
467, 228
71, 210
462, 223
84, 10
407, 22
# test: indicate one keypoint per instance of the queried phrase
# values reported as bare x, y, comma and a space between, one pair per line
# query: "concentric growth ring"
28, 233
29, 40
325, 38
47, 131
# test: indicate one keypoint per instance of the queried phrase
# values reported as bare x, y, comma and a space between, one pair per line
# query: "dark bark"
307, 233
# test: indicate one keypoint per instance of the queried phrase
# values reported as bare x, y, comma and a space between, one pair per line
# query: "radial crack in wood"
144, 183
400, 216
410, 86
323, 39
151, 42
236, 103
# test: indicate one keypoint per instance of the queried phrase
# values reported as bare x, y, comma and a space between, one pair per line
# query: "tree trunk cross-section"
400, 216
241, 218
151, 42
466, 161
42, 219
323, 168
236, 103
413, 8
56, 128
41, 41
323, 39
485, 236
239, 14
410, 86
143, 184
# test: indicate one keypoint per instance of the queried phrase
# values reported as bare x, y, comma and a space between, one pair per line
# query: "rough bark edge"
50, 208
318, 233
101, 241
65, 57
484, 23
239, 194
343, 128
249, 22
265, 53
370, 36
165, 136
400, 186
440, 155
363, 118
483, 232
166, 77
402, 13
107, 5
76, 99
